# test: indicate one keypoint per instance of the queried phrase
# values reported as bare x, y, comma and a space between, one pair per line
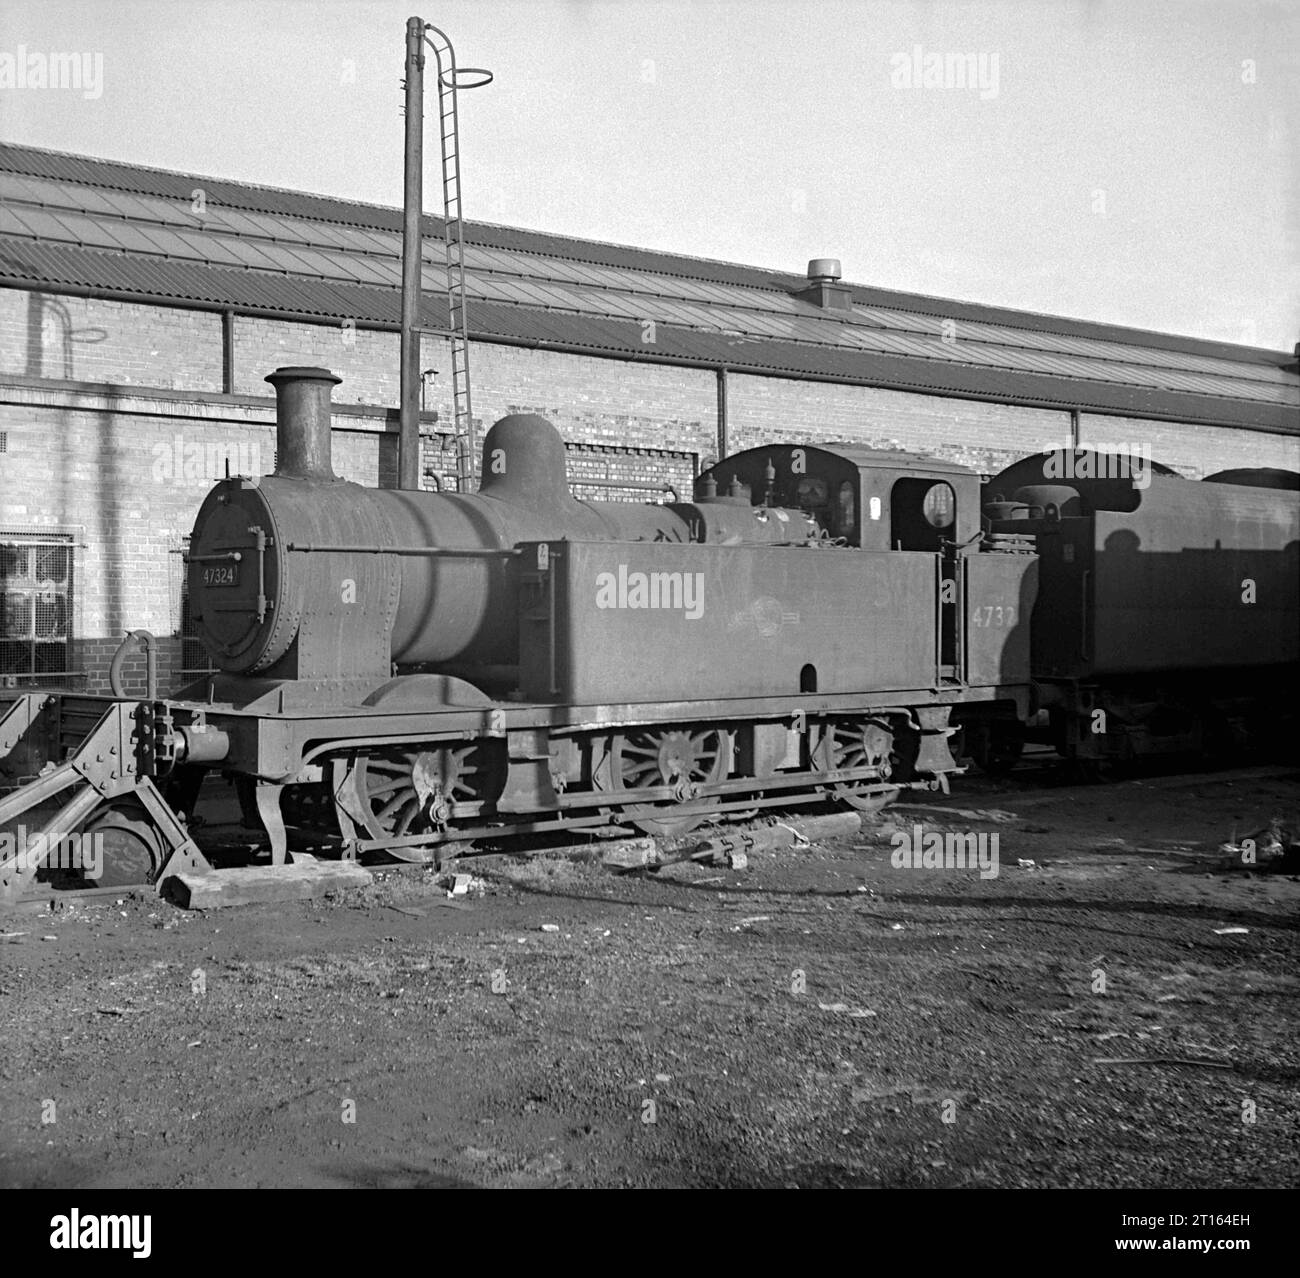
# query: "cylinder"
302, 422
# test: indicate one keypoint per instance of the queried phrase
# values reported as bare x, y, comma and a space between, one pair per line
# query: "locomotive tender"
416, 670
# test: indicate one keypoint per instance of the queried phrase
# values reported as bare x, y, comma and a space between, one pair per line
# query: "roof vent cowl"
824, 288
824, 270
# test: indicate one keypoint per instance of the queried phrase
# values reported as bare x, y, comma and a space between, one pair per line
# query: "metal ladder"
453, 240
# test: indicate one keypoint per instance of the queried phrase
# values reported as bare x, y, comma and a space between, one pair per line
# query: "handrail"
150, 645
320, 548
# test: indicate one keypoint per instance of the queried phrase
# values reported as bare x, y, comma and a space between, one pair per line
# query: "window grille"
36, 595
617, 472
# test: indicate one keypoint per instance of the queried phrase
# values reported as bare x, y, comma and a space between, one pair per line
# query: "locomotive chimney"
302, 422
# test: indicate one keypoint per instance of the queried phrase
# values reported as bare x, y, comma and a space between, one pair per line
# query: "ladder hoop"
466, 78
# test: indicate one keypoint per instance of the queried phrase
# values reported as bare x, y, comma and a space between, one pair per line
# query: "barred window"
597, 472
36, 584
618, 472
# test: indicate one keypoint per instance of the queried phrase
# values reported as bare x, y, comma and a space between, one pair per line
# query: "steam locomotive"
414, 671
1166, 619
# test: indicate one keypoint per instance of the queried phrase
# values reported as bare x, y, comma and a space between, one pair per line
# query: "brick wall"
1194, 451
589, 400
596, 401
364, 359
602, 402
985, 437
91, 340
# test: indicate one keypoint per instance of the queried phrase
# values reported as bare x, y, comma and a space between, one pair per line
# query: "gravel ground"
822, 1018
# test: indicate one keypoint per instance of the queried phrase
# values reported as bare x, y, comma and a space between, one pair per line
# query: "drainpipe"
723, 442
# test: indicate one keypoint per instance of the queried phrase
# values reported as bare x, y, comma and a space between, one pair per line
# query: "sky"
1133, 162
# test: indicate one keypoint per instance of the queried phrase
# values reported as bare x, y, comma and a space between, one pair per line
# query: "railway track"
1023, 788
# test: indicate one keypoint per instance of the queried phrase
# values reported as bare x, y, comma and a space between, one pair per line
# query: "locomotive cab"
922, 516
870, 499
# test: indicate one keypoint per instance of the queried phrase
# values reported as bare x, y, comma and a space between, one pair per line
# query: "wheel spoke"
392, 806
866, 744
667, 757
395, 805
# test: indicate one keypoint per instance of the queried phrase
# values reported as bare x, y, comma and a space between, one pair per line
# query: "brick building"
141, 309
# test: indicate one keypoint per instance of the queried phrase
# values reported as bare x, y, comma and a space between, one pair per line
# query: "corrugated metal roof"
74, 222
266, 293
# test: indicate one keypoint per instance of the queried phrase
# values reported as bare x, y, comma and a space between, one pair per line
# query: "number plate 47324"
221, 575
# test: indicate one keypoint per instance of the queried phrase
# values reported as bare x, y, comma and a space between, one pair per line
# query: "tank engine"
1166, 619
414, 670
302, 576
